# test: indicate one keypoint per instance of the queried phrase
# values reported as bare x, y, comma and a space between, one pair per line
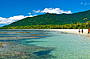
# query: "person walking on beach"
82, 30
79, 31
88, 31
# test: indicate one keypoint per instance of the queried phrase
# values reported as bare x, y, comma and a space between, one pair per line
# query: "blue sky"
10, 8
14, 10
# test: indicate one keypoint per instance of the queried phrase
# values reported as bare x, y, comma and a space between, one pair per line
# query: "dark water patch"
15, 51
32, 41
9, 40
25, 42
40, 53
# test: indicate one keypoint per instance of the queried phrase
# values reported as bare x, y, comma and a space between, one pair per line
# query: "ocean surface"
43, 44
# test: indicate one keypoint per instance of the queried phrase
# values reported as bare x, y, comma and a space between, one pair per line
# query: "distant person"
82, 30
79, 31
88, 31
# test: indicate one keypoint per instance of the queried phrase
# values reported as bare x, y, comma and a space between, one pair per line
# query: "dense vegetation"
53, 21
66, 26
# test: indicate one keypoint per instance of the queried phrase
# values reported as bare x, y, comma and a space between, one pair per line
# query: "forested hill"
54, 19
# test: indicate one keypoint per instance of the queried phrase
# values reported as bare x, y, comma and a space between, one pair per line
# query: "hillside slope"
54, 19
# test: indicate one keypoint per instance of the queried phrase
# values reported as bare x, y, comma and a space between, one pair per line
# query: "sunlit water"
43, 44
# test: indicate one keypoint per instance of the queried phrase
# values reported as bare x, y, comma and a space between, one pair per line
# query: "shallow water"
43, 44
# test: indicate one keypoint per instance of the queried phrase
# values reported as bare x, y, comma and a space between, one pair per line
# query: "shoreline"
72, 31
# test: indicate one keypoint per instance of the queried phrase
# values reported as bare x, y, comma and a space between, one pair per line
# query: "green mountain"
53, 19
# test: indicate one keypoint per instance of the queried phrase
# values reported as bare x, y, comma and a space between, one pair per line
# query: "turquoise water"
43, 44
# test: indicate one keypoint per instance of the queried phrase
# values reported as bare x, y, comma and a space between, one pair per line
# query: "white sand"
74, 31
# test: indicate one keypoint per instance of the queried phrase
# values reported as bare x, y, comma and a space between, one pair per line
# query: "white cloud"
52, 10
17, 17
84, 3
12, 19
36, 11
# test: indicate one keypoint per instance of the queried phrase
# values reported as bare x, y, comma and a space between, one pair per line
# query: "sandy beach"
73, 31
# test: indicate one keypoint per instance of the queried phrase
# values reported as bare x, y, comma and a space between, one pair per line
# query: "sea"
43, 44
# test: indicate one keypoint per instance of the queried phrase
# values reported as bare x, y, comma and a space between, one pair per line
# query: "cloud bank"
11, 19
52, 10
